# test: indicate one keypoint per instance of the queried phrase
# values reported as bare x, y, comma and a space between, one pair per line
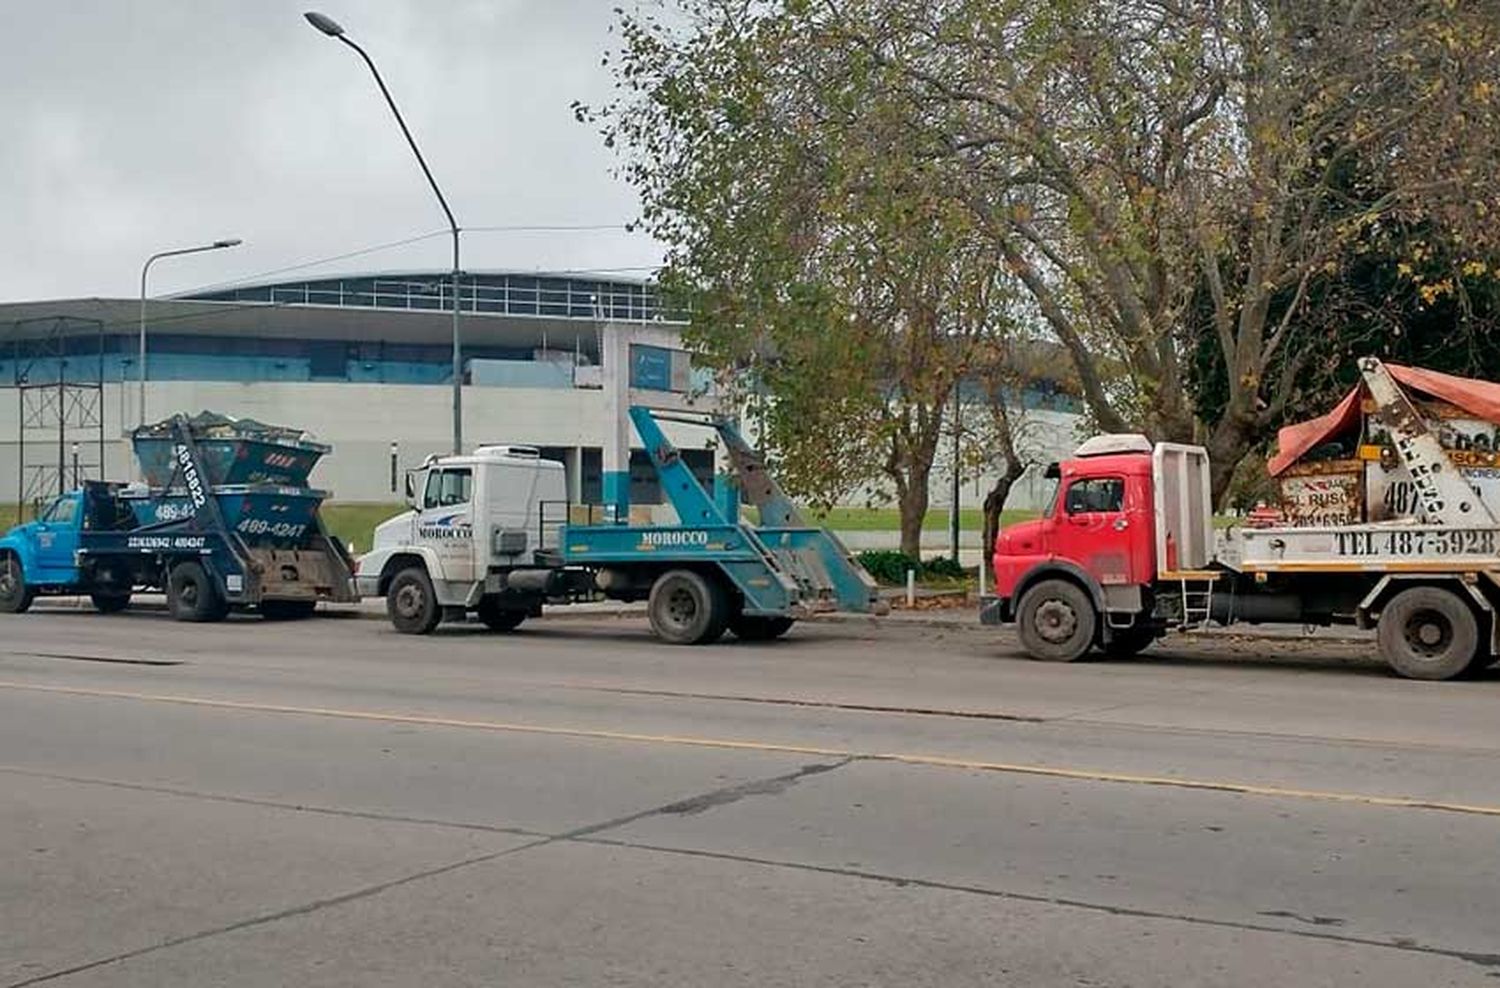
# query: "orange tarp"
1479, 398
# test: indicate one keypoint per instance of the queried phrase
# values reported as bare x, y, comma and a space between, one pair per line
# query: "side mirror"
1053, 471
411, 493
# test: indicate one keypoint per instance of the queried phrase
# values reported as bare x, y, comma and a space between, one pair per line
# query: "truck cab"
1125, 515
473, 520
46, 548
42, 557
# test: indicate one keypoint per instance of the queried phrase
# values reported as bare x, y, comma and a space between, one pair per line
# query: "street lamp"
216, 245
330, 27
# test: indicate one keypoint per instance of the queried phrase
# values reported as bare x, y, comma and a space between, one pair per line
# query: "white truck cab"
473, 519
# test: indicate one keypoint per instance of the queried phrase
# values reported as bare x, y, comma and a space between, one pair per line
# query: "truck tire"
1428, 633
498, 618
759, 629
110, 603
15, 595
192, 596
687, 608
1056, 620
287, 610
411, 603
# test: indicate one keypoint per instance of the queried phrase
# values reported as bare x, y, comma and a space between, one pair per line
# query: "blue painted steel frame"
788, 569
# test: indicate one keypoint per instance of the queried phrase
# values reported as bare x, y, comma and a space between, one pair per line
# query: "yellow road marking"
930, 761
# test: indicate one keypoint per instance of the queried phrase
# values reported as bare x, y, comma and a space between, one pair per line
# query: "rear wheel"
287, 610
498, 618
192, 596
411, 603
110, 603
1428, 633
15, 595
760, 629
687, 608
1056, 620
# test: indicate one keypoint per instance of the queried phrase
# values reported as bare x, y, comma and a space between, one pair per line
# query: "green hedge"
889, 566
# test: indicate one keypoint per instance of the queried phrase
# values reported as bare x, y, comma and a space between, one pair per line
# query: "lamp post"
145, 268
333, 29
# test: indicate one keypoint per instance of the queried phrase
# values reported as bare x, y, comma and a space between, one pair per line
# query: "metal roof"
349, 321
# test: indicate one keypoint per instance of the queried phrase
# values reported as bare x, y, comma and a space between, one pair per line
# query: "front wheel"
411, 602
15, 595
1428, 633
687, 608
1056, 620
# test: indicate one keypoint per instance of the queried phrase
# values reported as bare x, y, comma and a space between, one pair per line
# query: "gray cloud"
136, 126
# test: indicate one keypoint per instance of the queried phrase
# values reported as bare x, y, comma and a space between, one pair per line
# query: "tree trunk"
994, 503
1227, 446
913, 505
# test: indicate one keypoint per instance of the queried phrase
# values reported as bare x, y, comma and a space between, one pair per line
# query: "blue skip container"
232, 451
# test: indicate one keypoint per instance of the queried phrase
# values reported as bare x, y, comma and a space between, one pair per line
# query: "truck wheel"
15, 595
1056, 620
687, 608
411, 602
110, 603
1129, 642
287, 610
760, 629
497, 618
192, 596
1428, 633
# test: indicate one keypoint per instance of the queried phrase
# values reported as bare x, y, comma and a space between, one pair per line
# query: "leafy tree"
1127, 160
826, 264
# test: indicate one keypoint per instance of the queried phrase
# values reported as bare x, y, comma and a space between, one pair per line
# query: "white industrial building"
364, 362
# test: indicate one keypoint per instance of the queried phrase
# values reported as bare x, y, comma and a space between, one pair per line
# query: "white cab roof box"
1114, 442
509, 452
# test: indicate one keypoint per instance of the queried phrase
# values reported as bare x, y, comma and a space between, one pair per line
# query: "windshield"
1052, 486
60, 512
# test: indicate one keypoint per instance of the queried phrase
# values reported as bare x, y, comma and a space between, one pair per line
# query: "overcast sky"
141, 125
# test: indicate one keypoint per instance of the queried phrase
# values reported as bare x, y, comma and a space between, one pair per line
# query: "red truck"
1127, 551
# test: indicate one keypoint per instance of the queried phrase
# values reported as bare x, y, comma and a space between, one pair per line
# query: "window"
447, 488
61, 512
1100, 494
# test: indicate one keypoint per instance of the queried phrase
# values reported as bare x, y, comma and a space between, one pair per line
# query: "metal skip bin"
261, 514
256, 473
232, 451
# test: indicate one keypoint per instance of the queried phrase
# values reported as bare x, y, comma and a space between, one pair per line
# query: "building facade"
364, 363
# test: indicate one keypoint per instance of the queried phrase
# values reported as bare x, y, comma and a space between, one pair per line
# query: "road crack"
692, 804
900, 881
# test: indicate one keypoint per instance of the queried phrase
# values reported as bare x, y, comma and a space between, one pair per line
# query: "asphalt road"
329, 803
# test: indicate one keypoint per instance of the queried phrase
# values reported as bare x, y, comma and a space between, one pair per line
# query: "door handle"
1121, 524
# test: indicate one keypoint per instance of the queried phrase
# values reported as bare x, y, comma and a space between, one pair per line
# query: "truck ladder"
1195, 594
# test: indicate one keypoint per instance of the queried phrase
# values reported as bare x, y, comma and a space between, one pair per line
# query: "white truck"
493, 533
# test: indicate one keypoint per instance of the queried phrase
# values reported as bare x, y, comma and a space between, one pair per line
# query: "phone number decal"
277, 529
1421, 542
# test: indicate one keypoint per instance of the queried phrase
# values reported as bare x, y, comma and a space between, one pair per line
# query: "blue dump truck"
224, 520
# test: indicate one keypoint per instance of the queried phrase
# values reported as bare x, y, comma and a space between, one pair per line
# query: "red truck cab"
1082, 575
